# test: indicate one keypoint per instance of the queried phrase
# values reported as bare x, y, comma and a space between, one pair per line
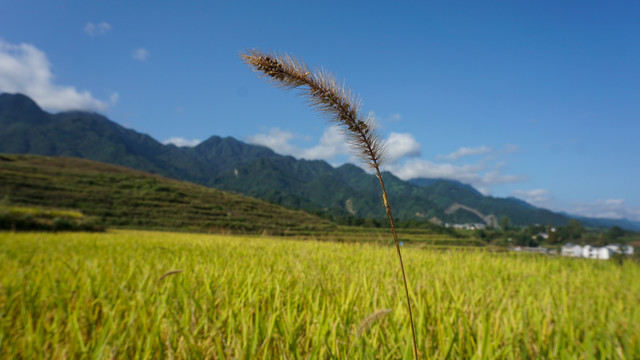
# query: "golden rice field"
154, 295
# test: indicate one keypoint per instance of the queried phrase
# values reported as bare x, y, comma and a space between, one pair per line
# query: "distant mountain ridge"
257, 171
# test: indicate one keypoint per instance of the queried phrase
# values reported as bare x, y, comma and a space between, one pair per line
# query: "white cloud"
416, 168
400, 146
401, 152
97, 29
277, 140
25, 69
464, 151
141, 54
605, 208
395, 117
482, 175
538, 197
332, 144
179, 141
114, 98
510, 148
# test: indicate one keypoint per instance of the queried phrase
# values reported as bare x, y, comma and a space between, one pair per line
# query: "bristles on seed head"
325, 94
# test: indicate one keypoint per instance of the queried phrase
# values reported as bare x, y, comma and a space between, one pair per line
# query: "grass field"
128, 294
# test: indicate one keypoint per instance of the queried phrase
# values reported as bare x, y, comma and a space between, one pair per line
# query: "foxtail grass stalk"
330, 97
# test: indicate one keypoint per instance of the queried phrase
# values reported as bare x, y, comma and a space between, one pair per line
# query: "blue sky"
537, 100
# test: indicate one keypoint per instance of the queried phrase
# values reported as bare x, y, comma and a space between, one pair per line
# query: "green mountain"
122, 197
29, 130
230, 165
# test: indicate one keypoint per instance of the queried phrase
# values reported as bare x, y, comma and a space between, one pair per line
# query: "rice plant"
119, 295
330, 97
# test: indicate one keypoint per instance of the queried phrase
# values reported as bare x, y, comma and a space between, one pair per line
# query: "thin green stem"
404, 277
328, 96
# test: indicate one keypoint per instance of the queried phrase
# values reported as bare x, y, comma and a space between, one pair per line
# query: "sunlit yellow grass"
76, 295
37, 211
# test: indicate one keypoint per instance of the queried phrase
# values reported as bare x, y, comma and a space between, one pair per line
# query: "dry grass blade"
168, 273
332, 98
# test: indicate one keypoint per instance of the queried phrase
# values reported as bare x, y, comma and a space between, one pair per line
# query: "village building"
621, 249
571, 250
594, 252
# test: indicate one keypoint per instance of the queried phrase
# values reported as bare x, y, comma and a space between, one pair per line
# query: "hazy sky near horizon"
537, 100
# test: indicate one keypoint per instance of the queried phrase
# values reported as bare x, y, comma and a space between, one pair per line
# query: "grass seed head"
366, 323
327, 95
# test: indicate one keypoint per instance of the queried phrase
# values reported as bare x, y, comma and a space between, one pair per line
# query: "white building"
621, 249
571, 250
592, 252
627, 249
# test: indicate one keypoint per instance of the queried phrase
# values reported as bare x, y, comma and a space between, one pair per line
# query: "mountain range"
257, 171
